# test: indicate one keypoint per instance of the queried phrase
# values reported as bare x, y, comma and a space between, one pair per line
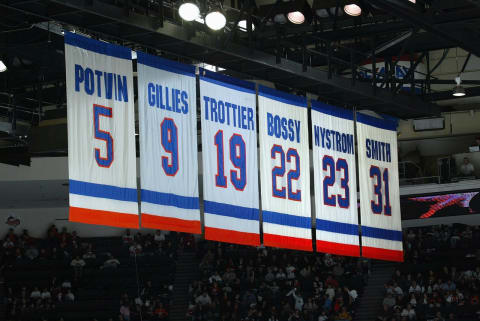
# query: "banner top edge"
243, 85
281, 96
96, 46
376, 122
165, 64
332, 110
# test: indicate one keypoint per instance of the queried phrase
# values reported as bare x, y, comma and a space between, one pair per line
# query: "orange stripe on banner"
382, 254
287, 242
171, 224
338, 248
229, 236
98, 217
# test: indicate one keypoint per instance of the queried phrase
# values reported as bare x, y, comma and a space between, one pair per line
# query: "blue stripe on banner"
165, 64
103, 191
286, 219
337, 227
100, 47
227, 85
332, 110
282, 97
380, 233
227, 81
241, 212
170, 199
376, 122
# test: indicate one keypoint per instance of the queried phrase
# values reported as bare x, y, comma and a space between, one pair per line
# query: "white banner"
379, 188
101, 133
284, 170
229, 150
168, 144
335, 180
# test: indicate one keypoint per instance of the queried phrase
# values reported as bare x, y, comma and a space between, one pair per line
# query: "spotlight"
413, 1
2, 66
242, 25
458, 90
215, 20
352, 9
322, 13
296, 17
189, 11
280, 18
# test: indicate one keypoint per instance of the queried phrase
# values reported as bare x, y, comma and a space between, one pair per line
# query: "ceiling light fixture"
215, 19
296, 17
189, 11
2, 66
280, 18
322, 13
242, 25
458, 90
352, 9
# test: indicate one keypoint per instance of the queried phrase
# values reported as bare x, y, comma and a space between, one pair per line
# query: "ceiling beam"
469, 41
447, 94
400, 105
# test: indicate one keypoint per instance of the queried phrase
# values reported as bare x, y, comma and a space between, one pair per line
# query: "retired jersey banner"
335, 180
101, 133
168, 144
284, 170
229, 151
379, 188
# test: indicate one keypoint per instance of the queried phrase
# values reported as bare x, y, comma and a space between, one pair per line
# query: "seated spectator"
127, 237
125, 311
46, 294
36, 294
389, 301
203, 299
69, 296
110, 263
159, 236
77, 264
66, 284
467, 169
408, 312
344, 315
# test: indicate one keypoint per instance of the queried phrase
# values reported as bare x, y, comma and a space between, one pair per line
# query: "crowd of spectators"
267, 284
427, 243
440, 279
70, 261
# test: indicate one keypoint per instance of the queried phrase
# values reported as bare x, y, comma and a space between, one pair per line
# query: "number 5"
98, 111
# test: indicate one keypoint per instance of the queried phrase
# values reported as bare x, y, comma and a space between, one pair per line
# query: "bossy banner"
168, 144
379, 188
335, 180
101, 133
229, 151
284, 170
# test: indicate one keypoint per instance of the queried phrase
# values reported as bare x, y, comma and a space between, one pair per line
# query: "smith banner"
168, 144
379, 188
229, 150
335, 180
101, 133
284, 170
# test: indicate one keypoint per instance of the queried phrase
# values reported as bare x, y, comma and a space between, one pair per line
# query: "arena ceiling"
323, 57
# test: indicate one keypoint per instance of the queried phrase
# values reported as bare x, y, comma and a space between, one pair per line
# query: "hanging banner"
168, 144
335, 180
379, 188
101, 133
284, 170
229, 151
